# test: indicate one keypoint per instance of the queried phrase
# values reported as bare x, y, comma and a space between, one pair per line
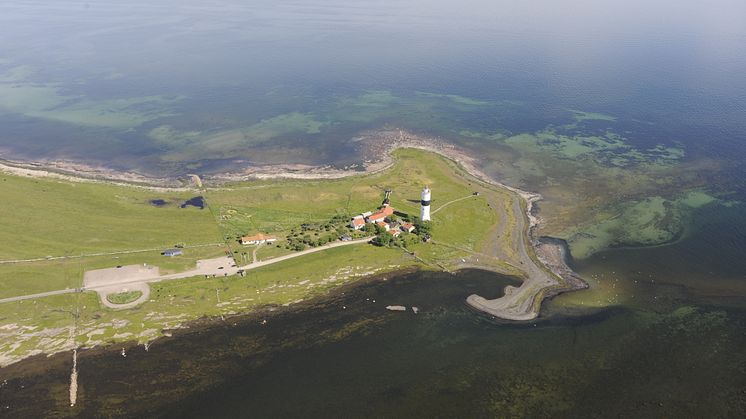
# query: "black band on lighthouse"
425, 203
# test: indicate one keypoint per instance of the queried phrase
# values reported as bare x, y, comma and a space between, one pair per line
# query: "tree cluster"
423, 229
383, 238
319, 234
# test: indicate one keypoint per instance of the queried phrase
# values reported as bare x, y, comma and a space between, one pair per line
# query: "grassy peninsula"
59, 229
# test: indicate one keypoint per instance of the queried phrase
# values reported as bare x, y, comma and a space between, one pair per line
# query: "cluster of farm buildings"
382, 218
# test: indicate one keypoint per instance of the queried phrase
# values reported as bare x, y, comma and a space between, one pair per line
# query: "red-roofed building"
258, 239
383, 225
374, 218
357, 222
381, 214
408, 227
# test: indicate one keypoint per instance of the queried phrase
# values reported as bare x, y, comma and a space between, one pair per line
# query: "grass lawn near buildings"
269, 251
251, 207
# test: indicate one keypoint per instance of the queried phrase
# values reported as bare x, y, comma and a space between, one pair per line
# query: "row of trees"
319, 234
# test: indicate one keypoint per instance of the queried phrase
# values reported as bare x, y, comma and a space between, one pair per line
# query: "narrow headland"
510, 247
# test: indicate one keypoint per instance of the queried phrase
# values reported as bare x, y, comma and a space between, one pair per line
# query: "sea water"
628, 117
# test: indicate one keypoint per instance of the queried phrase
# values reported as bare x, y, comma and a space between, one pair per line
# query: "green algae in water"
114, 113
17, 73
286, 123
168, 136
581, 116
47, 102
367, 107
615, 185
564, 146
651, 221
697, 199
18, 94
461, 100
232, 143
27, 99
608, 149
373, 99
475, 134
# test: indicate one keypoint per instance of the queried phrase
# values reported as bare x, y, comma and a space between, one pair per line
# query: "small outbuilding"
357, 222
172, 252
384, 225
408, 227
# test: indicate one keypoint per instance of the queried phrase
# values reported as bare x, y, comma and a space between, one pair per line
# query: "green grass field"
48, 217
53, 217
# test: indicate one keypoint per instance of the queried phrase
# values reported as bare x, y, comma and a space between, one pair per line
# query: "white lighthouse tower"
425, 207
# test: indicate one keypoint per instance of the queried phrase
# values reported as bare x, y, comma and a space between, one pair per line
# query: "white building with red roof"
258, 239
381, 214
383, 225
408, 227
357, 222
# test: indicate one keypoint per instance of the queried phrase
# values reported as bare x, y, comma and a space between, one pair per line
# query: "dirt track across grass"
137, 277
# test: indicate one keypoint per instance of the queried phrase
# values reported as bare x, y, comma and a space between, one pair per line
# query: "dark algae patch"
158, 202
197, 202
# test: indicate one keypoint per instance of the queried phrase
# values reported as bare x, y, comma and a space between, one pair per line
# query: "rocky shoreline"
554, 254
78, 172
